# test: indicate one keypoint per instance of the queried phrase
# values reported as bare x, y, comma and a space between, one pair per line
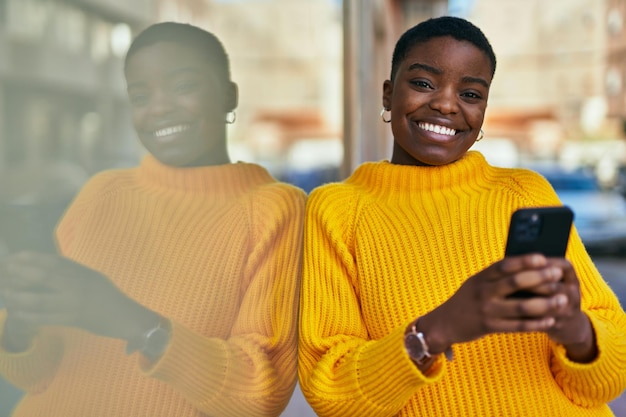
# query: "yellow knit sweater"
215, 249
392, 243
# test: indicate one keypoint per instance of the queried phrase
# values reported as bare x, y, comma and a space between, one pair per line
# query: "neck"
216, 157
400, 157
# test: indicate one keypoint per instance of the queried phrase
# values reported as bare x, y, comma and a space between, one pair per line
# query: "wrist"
434, 335
152, 340
583, 349
417, 341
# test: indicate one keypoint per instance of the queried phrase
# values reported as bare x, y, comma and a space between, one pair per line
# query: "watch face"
414, 347
157, 342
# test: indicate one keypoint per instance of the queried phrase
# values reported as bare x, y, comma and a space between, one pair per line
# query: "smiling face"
179, 105
437, 100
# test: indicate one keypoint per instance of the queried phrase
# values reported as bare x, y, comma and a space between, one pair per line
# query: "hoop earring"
382, 115
231, 116
480, 136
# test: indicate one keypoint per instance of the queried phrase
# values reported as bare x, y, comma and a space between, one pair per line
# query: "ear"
387, 94
232, 97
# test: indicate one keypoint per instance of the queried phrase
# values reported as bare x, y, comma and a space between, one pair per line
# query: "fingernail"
560, 300
556, 273
537, 260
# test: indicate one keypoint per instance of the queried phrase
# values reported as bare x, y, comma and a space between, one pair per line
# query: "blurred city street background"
310, 76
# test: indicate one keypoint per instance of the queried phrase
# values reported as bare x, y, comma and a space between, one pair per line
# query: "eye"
471, 95
138, 99
421, 84
185, 86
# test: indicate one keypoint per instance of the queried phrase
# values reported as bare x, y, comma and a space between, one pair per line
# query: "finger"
38, 309
36, 319
526, 280
30, 270
22, 300
33, 304
569, 273
533, 307
37, 258
40, 260
546, 289
541, 324
62, 273
514, 264
25, 276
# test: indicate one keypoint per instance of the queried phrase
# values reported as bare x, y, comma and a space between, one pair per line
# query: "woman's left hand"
572, 328
43, 289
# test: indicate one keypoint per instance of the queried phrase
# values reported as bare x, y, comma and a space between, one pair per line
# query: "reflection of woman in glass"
176, 294
404, 270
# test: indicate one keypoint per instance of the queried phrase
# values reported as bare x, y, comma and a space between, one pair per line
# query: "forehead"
163, 58
451, 54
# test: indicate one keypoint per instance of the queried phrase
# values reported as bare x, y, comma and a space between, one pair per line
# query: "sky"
460, 8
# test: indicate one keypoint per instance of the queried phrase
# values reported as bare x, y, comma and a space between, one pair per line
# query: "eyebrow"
437, 71
424, 67
170, 74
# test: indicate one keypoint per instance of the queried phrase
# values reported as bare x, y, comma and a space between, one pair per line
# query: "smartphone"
542, 230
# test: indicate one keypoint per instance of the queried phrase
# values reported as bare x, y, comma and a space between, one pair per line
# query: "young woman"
405, 302
175, 291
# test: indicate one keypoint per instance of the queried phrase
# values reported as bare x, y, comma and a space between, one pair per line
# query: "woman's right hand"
486, 304
42, 289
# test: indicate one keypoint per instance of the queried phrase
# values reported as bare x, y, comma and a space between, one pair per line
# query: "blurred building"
550, 83
286, 57
61, 87
370, 31
615, 81
61, 112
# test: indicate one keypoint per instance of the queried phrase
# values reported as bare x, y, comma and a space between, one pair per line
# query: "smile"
172, 130
442, 130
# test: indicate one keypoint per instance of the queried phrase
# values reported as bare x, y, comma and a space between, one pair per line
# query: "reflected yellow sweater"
215, 249
392, 243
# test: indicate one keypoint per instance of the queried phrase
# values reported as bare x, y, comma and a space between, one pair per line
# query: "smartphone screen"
542, 230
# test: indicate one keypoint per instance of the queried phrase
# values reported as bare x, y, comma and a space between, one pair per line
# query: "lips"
441, 130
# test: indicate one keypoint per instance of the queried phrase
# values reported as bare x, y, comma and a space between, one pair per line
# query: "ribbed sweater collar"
382, 177
227, 178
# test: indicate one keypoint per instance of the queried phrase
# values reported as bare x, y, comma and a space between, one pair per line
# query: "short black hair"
456, 27
206, 43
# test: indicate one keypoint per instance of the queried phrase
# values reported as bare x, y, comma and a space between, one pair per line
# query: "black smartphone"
542, 230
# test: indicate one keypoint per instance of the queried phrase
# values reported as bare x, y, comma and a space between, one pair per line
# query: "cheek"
203, 107
137, 117
402, 100
475, 117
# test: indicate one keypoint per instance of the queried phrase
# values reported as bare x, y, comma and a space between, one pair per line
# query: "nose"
161, 103
444, 101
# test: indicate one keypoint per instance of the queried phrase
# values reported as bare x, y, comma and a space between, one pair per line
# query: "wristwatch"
416, 345
417, 348
152, 343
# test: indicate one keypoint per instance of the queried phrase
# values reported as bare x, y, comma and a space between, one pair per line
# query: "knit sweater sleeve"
604, 379
253, 372
342, 370
33, 369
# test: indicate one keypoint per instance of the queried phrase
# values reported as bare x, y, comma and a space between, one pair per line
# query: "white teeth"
437, 129
170, 130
